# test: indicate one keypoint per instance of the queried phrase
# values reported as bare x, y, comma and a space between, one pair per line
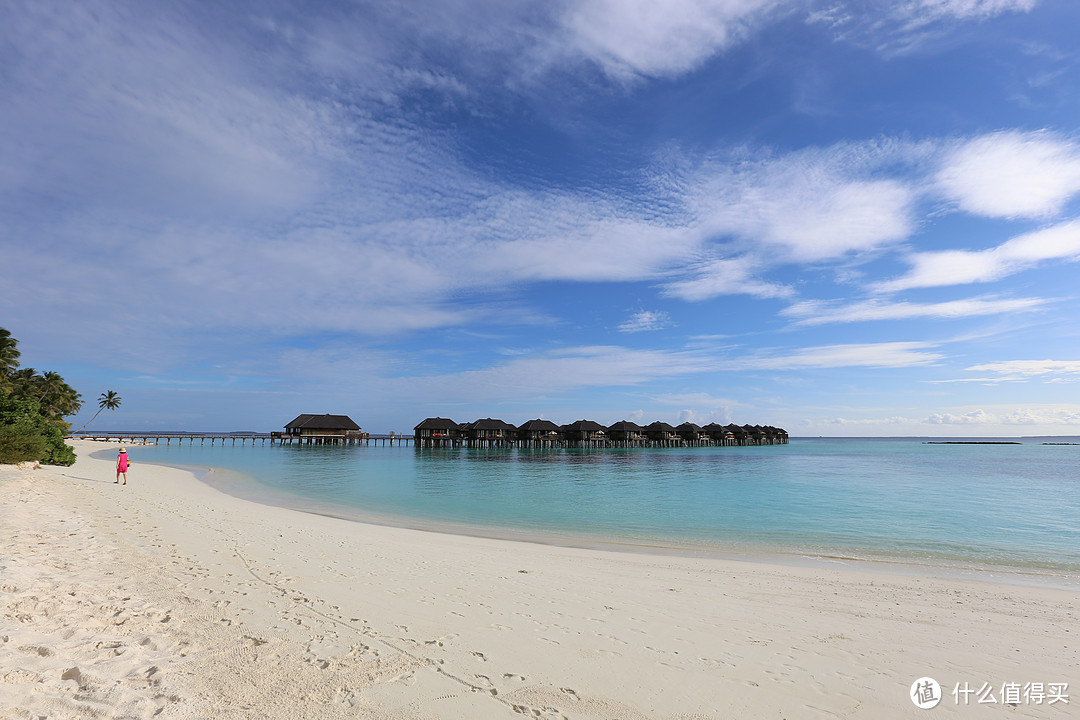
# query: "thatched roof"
584, 426
539, 426
688, 427
437, 423
322, 422
625, 426
490, 424
659, 426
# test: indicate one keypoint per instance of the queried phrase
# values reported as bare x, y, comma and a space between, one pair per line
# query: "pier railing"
277, 438
274, 438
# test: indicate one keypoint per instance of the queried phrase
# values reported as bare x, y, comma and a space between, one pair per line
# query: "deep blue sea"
898, 499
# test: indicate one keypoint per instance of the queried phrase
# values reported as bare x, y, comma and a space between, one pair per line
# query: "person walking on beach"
122, 465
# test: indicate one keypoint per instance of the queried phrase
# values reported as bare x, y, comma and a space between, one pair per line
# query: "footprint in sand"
480, 655
36, 650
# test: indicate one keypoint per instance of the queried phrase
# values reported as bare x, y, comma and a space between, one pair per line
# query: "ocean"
1007, 506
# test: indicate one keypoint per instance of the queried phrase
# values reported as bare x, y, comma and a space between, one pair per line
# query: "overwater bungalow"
737, 432
437, 432
538, 433
718, 434
320, 429
692, 434
754, 435
660, 433
489, 432
626, 433
584, 433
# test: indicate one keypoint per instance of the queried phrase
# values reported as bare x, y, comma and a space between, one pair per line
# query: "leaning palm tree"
108, 401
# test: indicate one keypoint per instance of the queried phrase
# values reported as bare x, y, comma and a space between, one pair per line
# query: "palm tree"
22, 383
9, 353
56, 398
108, 400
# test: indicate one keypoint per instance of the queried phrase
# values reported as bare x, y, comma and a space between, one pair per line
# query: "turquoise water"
1000, 505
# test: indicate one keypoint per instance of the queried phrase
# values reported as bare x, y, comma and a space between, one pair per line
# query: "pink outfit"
122, 463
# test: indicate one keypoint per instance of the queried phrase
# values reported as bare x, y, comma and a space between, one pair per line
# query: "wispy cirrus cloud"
1031, 368
714, 278
962, 267
554, 372
816, 312
927, 10
644, 321
637, 37
877, 355
1015, 371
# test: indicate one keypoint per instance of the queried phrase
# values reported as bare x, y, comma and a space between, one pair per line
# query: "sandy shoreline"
167, 598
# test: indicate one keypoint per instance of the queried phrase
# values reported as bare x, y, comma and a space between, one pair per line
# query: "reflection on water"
1014, 504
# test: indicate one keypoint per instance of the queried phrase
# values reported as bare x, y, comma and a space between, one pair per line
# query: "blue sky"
840, 217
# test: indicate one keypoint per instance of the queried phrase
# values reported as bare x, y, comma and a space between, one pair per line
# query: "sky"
840, 217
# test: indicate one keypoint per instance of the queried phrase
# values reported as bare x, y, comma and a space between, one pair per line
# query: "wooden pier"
261, 439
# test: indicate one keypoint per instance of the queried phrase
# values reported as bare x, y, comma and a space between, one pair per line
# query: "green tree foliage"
32, 410
9, 353
27, 434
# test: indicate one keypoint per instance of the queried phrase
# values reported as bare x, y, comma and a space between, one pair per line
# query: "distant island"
976, 442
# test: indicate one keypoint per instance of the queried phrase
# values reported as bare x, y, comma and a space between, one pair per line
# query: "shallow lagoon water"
885, 499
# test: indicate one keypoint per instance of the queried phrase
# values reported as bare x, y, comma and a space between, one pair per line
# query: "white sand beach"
169, 599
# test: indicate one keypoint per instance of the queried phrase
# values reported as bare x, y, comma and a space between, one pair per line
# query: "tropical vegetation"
33, 406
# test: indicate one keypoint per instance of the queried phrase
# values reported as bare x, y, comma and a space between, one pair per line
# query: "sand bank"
169, 599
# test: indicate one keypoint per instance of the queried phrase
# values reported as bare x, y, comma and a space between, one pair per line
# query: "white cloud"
905, 26
975, 417
808, 206
645, 320
553, 373
879, 355
960, 267
814, 312
1024, 416
1049, 371
1011, 174
724, 277
1030, 368
926, 10
640, 37
125, 108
